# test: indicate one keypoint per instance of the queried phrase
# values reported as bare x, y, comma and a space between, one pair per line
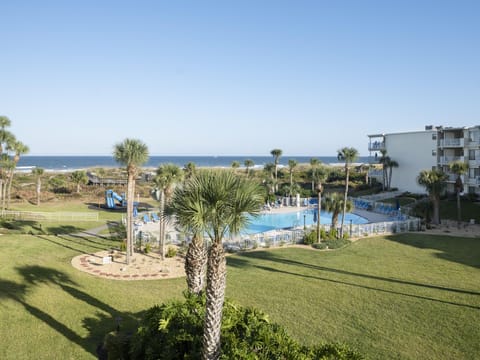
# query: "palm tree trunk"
347, 171
4, 191
162, 224
9, 191
390, 171
130, 195
459, 210
216, 284
436, 210
196, 265
39, 189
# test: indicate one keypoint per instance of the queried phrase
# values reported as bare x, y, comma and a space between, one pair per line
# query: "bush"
147, 248
173, 331
171, 252
337, 243
319, 246
310, 237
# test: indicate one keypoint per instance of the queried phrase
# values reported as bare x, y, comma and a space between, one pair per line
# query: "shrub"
147, 248
320, 246
310, 237
173, 331
337, 243
323, 234
171, 252
123, 246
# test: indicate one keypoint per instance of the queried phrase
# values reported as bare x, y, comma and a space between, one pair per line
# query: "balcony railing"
451, 143
473, 181
376, 146
445, 160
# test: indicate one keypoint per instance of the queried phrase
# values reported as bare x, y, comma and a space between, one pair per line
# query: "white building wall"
414, 152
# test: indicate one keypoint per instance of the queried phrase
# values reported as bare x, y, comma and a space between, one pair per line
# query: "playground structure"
113, 200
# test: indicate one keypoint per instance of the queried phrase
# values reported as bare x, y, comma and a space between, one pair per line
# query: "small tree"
248, 164
79, 178
38, 172
434, 183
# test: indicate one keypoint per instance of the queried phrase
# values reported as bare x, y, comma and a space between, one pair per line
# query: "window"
434, 152
471, 154
434, 136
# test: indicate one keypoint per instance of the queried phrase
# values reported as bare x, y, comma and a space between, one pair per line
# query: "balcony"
473, 181
376, 146
445, 160
452, 142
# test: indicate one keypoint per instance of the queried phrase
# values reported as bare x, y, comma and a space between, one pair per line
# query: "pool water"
269, 221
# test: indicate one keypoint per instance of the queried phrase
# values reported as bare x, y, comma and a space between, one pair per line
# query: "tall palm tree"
166, 178
248, 164
321, 176
314, 165
79, 177
131, 153
7, 139
434, 182
19, 149
292, 164
215, 203
384, 161
334, 203
38, 172
391, 164
276, 153
4, 134
459, 168
349, 155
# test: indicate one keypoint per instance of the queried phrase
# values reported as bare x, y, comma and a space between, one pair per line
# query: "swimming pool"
269, 221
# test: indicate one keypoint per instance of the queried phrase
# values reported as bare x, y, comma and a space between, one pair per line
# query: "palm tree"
166, 178
235, 165
314, 165
7, 139
391, 164
334, 203
19, 149
292, 164
189, 169
248, 164
276, 153
384, 160
349, 155
434, 183
215, 203
38, 172
79, 177
459, 168
132, 154
321, 176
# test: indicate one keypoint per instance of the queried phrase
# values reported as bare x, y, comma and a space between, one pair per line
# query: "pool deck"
372, 217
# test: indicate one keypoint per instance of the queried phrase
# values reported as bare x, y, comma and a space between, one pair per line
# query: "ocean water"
69, 163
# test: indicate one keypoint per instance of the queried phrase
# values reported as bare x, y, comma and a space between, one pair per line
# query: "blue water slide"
110, 197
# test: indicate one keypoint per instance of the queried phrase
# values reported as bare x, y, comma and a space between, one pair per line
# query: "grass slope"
409, 296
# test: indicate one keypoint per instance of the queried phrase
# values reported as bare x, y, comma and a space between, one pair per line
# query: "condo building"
433, 147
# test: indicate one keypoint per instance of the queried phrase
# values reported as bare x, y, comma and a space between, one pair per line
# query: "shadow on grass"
21, 226
107, 318
64, 229
238, 262
461, 250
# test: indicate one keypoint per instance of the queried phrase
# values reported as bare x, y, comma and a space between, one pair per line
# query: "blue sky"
235, 77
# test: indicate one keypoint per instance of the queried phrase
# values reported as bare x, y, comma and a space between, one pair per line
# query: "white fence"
49, 216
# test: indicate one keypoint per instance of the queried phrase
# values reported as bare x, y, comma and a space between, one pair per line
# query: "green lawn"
409, 296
